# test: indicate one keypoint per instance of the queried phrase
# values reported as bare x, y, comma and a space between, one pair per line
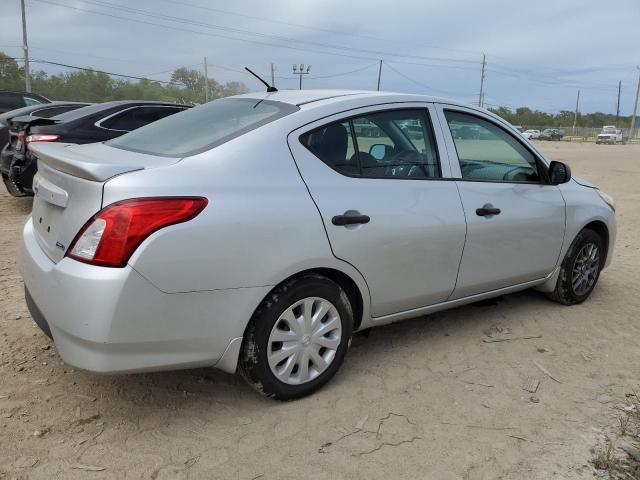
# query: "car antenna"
270, 88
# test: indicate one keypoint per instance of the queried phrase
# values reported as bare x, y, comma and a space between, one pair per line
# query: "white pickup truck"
610, 134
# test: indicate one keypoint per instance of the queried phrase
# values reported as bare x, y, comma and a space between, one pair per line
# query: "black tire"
12, 188
564, 292
254, 365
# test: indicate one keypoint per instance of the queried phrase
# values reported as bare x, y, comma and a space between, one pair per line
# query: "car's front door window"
486, 152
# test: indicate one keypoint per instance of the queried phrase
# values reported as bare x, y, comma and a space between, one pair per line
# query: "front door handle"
350, 219
487, 210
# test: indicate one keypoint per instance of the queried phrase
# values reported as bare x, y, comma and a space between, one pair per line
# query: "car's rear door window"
390, 144
333, 144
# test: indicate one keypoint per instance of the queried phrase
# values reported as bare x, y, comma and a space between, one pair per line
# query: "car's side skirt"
417, 312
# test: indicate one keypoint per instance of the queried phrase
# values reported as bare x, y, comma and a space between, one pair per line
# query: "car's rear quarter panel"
259, 227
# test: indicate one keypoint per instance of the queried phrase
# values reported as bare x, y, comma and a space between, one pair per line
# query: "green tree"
187, 85
11, 75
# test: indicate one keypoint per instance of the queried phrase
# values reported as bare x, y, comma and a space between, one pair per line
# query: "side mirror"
378, 151
559, 173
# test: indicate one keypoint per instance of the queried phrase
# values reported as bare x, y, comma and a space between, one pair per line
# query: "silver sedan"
258, 232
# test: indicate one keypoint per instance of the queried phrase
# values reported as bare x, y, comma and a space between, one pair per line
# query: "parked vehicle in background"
12, 100
94, 123
34, 112
260, 231
519, 128
610, 134
551, 134
531, 134
45, 110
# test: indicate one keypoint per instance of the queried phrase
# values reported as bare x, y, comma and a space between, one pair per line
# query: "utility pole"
635, 110
301, 71
273, 75
379, 74
618, 107
481, 96
206, 81
575, 115
25, 47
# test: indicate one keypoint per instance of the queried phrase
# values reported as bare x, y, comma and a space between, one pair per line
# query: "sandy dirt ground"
438, 397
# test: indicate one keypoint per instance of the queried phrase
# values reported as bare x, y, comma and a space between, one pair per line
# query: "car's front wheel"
580, 269
297, 338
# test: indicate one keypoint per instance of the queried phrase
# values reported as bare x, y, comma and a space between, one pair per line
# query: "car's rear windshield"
202, 128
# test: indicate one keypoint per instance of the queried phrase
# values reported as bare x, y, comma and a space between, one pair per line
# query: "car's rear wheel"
580, 269
297, 338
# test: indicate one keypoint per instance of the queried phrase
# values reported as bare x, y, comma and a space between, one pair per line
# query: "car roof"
141, 102
311, 97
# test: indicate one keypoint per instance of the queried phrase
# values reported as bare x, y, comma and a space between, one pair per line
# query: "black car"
46, 110
551, 134
13, 100
95, 123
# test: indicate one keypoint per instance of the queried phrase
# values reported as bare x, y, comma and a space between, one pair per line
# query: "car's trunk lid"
68, 187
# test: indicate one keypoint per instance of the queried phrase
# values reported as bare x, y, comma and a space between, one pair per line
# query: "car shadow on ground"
202, 387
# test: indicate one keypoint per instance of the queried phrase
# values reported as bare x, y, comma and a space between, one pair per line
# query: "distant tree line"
535, 118
187, 85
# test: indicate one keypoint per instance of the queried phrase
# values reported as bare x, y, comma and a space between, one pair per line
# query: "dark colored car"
42, 110
551, 134
13, 100
91, 124
34, 112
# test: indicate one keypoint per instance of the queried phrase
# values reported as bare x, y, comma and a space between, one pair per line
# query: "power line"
189, 22
318, 29
422, 84
106, 4
340, 74
100, 71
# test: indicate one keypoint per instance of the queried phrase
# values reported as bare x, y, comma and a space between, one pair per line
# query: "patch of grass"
606, 459
620, 463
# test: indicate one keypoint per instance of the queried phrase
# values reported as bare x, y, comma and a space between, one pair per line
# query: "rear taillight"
41, 137
111, 236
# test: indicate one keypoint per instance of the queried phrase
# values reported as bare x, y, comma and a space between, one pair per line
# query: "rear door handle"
350, 219
487, 211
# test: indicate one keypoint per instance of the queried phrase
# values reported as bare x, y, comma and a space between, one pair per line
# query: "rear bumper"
113, 320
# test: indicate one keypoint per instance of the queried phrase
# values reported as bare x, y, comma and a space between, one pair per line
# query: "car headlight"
606, 198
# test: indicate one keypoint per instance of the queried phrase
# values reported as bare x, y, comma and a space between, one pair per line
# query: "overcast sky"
538, 53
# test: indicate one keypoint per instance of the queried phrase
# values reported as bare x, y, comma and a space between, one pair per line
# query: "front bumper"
113, 320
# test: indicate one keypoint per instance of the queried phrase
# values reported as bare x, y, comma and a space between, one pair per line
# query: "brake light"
41, 137
111, 236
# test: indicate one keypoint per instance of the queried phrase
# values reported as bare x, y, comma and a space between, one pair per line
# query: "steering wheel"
406, 163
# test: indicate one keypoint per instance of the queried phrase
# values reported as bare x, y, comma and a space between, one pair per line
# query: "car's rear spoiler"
60, 157
19, 123
96, 161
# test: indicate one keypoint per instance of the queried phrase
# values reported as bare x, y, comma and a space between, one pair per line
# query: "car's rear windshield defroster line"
202, 128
